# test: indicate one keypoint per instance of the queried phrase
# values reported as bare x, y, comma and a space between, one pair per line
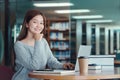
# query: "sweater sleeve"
52, 61
24, 58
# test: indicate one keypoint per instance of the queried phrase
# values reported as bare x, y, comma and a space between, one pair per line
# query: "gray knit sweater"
29, 58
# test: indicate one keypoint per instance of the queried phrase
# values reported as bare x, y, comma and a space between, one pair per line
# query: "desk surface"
75, 76
116, 61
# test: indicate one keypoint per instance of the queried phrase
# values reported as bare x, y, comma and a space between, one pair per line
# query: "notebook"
84, 50
55, 71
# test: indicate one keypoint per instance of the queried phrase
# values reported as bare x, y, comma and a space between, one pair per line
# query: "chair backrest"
13, 57
6, 73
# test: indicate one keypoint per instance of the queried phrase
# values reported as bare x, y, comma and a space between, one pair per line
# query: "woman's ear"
26, 25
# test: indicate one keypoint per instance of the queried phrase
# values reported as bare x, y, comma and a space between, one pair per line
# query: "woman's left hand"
38, 36
68, 66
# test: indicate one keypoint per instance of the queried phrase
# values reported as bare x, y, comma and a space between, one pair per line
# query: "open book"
55, 71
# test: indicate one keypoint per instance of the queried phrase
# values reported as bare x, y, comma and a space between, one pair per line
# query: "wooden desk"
77, 76
116, 61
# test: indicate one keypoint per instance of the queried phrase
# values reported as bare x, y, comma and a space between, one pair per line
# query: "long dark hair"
29, 15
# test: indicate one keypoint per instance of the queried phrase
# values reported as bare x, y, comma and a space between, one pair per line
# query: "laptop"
84, 50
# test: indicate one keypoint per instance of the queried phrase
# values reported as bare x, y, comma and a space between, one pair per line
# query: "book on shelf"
55, 71
94, 67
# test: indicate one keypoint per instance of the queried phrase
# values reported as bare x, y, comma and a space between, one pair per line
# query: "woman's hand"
38, 36
68, 66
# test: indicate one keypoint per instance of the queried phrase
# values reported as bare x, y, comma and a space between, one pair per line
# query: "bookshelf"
102, 41
84, 35
103, 37
73, 49
115, 40
59, 39
93, 40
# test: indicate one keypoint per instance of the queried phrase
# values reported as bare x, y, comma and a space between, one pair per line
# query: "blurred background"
89, 22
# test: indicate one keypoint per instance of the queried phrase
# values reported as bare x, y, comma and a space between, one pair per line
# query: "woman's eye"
34, 22
41, 23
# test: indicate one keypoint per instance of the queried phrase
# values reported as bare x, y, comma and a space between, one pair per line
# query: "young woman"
32, 50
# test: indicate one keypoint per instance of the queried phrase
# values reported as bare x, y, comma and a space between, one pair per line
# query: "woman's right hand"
38, 36
68, 66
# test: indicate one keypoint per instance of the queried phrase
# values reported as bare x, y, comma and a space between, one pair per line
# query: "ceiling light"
87, 17
99, 21
52, 4
72, 11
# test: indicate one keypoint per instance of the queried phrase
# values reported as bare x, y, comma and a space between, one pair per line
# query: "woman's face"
36, 24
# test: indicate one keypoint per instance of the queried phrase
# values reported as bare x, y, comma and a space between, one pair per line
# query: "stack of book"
94, 68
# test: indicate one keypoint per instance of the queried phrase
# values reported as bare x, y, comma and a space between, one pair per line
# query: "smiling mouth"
37, 29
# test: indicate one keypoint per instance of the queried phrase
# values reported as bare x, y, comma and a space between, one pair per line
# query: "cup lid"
85, 57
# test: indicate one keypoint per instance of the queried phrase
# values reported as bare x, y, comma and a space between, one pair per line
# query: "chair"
6, 73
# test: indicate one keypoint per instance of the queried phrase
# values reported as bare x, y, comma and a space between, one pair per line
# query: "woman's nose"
38, 25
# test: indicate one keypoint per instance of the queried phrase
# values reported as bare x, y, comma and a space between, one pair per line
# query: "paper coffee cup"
83, 65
